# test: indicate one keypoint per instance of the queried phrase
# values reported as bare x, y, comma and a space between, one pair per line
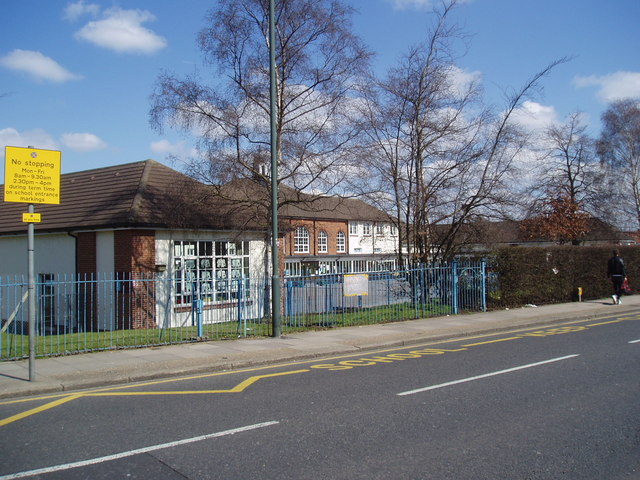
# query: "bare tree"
415, 119
568, 188
571, 167
484, 189
442, 160
619, 150
319, 66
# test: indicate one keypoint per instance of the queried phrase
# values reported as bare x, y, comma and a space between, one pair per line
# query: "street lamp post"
275, 277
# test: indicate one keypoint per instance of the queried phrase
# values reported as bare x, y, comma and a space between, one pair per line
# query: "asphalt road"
560, 402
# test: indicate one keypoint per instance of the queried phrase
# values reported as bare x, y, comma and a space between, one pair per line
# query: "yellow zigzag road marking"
351, 355
491, 341
552, 331
39, 409
153, 382
607, 323
64, 399
242, 386
110, 391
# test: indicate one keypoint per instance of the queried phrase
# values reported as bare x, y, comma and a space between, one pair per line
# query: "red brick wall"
135, 251
86, 252
314, 227
87, 266
134, 260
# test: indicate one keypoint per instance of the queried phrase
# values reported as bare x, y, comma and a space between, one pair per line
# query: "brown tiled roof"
510, 233
299, 205
144, 194
334, 208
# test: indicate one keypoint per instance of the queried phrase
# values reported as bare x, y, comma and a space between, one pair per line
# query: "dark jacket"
615, 266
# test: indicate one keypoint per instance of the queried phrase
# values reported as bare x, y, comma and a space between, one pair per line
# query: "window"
366, 229
353, 229
380, 230
341, 246
394, 231
214, 271
322, 242
301, 240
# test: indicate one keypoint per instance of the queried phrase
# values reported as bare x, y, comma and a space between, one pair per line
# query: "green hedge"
535, 275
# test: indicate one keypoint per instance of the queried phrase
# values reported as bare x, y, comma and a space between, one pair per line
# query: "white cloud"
462, 80
165, 146
412, 4
417, 4
37, 65
82, 142
179, 149
122, 31
75, 10
614, 86
534, 116
36, 138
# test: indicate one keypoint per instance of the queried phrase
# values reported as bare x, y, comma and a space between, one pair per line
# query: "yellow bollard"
579, 294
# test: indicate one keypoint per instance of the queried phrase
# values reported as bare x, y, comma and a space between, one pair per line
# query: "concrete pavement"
89, 370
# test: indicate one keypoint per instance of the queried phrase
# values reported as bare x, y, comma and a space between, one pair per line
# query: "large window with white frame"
323, 242
301, 240
212, 271
366, 229
379, 229
353, 229
341, 244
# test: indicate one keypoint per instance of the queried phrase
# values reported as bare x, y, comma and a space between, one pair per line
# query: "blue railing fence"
384, 295
79, 313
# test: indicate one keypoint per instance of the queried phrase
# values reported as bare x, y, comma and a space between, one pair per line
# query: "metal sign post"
31, 305
31, 176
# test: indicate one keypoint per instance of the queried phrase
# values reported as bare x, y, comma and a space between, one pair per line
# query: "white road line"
634, 341
130, 453
470, 379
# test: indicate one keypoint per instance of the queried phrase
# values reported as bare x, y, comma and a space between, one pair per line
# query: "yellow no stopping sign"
32, 175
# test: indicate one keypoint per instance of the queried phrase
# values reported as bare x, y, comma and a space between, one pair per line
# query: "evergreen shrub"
538, 276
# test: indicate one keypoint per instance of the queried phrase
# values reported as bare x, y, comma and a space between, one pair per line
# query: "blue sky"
76, 76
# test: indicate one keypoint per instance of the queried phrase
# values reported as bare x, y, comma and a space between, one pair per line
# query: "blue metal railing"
322, 300
89, 313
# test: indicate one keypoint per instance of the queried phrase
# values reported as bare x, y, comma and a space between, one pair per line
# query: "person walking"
617, 274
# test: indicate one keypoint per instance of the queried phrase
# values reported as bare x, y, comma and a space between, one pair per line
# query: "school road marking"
356, 360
